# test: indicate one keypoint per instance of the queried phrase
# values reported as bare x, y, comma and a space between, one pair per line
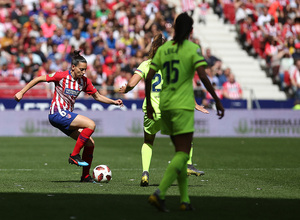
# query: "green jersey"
143, 70
178, 68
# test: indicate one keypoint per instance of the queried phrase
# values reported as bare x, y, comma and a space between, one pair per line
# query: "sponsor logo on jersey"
52, 74
71, 92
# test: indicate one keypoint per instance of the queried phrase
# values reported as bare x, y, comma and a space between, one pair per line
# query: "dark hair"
183, 27
76, 58
158, 40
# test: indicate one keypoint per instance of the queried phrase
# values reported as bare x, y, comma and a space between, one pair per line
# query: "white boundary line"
124, 169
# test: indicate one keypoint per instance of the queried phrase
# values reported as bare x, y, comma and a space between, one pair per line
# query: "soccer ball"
102, 173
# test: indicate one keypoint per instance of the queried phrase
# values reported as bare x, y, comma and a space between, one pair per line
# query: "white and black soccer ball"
102, 173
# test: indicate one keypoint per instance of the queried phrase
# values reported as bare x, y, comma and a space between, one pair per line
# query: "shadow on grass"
107, 206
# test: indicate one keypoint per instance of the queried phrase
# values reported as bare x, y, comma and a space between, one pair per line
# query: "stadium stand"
121, 31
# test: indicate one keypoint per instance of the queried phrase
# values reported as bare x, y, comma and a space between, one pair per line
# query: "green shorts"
175, 122
151, 126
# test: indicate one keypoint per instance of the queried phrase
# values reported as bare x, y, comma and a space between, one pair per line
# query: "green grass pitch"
246, 178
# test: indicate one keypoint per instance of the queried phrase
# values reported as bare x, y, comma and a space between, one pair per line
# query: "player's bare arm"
100, 98
134, 80
19, 95
148, 83
203, 77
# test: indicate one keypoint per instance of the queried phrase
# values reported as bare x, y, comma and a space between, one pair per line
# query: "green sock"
183, 185
146, 156
173, 170
190, 156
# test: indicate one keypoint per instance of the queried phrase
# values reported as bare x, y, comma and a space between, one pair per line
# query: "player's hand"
119, 102
18, 96
150, 111
201, 108
220, 109
122, 89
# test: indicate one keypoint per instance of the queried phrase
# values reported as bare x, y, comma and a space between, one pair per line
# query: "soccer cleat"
77, 161
186, 207
88, 179
191, 170
157, 202
145, 178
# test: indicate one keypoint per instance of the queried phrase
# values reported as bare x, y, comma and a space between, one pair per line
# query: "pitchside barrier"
129, 123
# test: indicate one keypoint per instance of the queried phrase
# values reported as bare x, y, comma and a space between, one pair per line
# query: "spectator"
89, 56
188, 6
68, 30
48, 28
204, 6
109, 67
27, 75
295, 79
210, 59
111, 41
58, 37
77, 40
7, 40
263, 18
224, 76
232, 89
296, 54
285, 64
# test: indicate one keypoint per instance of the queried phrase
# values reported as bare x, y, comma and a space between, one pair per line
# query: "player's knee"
92, 125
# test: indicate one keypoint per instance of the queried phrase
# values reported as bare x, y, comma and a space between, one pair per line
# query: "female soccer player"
151, 127
68, 85
178, 59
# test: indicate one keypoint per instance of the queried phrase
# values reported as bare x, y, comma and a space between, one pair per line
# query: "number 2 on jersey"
171, 71
156, 77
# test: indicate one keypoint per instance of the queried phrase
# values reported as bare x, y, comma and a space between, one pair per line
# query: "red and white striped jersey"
234, 90
188, 5
67, 89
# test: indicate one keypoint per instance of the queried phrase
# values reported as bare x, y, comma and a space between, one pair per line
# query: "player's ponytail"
76, 58
183, 27
158, 40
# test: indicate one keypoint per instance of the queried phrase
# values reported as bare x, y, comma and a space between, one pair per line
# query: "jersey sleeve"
198, 58
54, 77
90, 88
143, 69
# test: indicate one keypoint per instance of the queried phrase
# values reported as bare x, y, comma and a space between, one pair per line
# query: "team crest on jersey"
52, 74
199, 51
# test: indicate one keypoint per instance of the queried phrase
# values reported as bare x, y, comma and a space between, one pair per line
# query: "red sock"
81, 140
87, 156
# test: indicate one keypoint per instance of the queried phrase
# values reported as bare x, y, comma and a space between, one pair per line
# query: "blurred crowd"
269, 30
38, 36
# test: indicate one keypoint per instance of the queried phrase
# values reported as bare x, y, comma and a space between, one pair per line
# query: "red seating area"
9, 86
